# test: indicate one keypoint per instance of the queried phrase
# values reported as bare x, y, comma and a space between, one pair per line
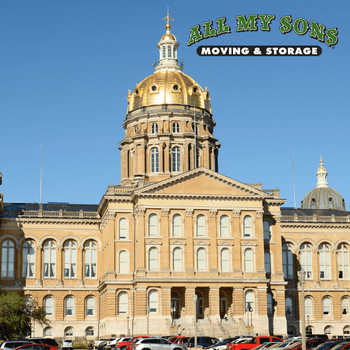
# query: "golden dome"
171, 87
321, 168
168, 36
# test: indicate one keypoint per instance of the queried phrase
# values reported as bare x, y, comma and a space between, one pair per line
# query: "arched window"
123, 262
90, 259
68, 332
267, 233
123, 303
152, 259
47, 332
267, 258
308, 307
70, 259
123, 229
152, 225
325, 261
176, 128
248, 260
224, 226
154, 128
69, 306
201, 259
177, 265
287, 259
169, 51
326, 306
308, 330
269, 304
224, 260
345, 306
200, 227
249, 301
291, 331
49, 306
177, 225
154, 160
343, 262
7, 259
306, 259
176, 159
289, 307
247, 226
328, 330
28, 259
346, 330
49, 259
89, 332
153, 301
163, 52
90, 306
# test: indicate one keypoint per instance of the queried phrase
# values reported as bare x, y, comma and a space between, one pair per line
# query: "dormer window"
169, 51
154, 128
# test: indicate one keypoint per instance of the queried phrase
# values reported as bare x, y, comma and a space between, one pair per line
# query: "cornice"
199, 196
52, 221
314, 225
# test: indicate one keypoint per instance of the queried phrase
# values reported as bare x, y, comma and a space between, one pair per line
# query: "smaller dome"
321, 168
168, 36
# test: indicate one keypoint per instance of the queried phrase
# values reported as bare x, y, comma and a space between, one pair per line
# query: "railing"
275, 193
315, 218
60, 214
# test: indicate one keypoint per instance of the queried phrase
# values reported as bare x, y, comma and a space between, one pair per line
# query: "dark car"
342, 346
47, 341
329, 344
204, 342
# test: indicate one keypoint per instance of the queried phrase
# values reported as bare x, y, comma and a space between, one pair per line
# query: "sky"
66, 67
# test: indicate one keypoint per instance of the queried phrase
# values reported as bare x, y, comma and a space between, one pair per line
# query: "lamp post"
195, 319
127, 326
303, 338
148, 309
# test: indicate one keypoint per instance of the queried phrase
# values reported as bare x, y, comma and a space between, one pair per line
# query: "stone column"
164, 229
189, 263
237, 303
214, 303
260, 250
166, 301
185, 157
213, 249
192, 156
316, 266
141, 233
212, 159
334, 267
141, 301
237, 252
59, 267
161, 158
110, 247
80, 264
189, 304
143, 159
38, 265
278, 248
18, 265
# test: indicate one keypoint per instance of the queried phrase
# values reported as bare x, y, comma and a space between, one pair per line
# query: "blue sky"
66, 68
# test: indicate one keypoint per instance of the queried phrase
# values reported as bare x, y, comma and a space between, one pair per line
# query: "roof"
310, 212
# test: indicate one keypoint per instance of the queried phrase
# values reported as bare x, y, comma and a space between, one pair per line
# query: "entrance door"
200, 305
175, 305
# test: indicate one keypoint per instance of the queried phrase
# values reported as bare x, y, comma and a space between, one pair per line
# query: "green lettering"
209, 31
304, 28
195, 35
286, 27
246, 25
317, 31
222, 27
265, 21
332, 38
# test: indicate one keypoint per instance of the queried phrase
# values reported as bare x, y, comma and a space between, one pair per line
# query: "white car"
67, 344
9, 345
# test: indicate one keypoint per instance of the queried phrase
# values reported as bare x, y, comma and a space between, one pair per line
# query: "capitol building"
174, 227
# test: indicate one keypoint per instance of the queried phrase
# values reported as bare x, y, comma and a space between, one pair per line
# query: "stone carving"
236, 213
189, 212
165, 211
278, 218
213, 213
259, 213
141, 211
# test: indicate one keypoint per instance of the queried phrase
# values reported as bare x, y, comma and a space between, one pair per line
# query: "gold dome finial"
167, 18
321, 168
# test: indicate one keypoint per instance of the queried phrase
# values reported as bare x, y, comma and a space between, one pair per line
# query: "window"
224, 226
248, 260
308, 307
269, 304
90, 259
123, 303
289, 307
343, 261
249, 301
177, 225
345, 306
154, 160
49, 306
267, 233
176, 159
68, 332
152, 259
89, 332
47, 332
70, 259
267, 258
69, 306
163, 52
152, 225
176, 128
123, 262
346, 330
201, 259
154, 128
49, 259
306, 259
247, 226
28, 259
123, 229
169, 51
224, 260
325, 261
90, 306
328, 330
326, 305
177, 265
200, 227
153, 301
7, 259
308, 330
287, 260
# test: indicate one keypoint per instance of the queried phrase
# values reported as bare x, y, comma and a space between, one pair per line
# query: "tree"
16, 314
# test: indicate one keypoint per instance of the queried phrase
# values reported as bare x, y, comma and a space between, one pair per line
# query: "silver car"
155, 344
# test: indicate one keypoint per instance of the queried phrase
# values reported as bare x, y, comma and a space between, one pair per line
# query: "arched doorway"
223, 305
175, 305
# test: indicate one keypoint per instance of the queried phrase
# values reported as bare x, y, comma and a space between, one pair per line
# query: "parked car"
35, 347
329, 344
265, 345
204, 342
96, 343
114, 343
253, 343
155, 344
47, 341
9, 345
310, 344
127, 344
182, 340
342, 346
67, 344
222, 345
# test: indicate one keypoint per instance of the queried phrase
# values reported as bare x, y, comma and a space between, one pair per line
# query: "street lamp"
127, 326
303, 338
195, 319
148, 310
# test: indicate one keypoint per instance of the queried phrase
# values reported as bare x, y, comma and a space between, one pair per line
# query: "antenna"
41, 178
295, 201
195, 135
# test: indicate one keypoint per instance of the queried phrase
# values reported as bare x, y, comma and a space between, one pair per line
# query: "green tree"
16, 315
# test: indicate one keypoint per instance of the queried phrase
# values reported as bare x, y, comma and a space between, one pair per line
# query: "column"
110, 243
18, 264
166, 301
38, 266
141, 301
111, 302
141, 233
214, 303
238, 302
164, 229
161, 158
143, 159
80, 265
334, 267
192, 156
212, 159
59, 258
185, 158
189, 235
189, 303
259, 234
278, 252
236, 234
213, 249
261, 308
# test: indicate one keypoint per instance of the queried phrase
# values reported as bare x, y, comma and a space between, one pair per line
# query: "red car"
36, 347
126, 345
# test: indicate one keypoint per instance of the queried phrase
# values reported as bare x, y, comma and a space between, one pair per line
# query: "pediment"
225, 244
201, 243
153, 242
177, 243
202, 181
